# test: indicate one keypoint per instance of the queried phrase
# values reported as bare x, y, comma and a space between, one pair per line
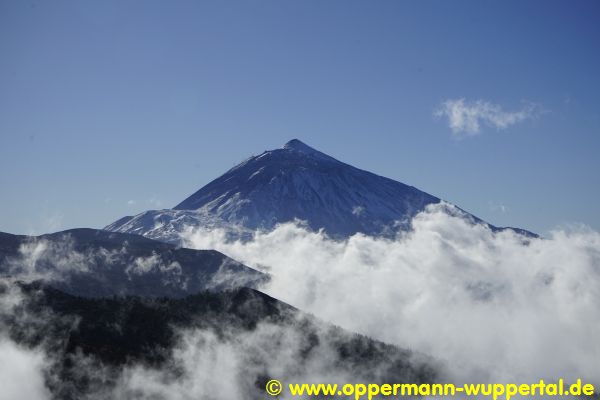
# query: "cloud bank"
220, 360
467, 118
493, 307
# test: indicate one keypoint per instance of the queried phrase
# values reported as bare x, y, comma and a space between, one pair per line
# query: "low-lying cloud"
21, 368
493, 306
21, 372
41, 259
467, 118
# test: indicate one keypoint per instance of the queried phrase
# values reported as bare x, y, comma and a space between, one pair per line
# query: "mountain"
97, 263
295, 182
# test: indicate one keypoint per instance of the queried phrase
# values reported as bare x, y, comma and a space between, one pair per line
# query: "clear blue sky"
111, 108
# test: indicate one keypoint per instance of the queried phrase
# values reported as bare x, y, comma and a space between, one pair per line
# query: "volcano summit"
295, 182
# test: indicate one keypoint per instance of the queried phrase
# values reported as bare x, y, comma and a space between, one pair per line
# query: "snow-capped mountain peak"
297, 145
295, 182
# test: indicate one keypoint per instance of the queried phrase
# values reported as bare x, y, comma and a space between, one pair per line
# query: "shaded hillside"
93, 341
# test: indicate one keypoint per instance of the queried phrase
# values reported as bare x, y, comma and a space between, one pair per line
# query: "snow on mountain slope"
167, 225
295, 182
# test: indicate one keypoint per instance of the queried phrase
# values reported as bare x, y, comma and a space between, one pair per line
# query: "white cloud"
492, 308
21, 369
498, 207
155, 202
358, 210
46, 260
21, 372
171, 271
489, 306
467, 118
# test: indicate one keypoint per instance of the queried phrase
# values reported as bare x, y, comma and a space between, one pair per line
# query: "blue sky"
111, 108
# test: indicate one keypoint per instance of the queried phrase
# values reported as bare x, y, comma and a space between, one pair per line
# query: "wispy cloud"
154, 202
498, 207
467, 118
